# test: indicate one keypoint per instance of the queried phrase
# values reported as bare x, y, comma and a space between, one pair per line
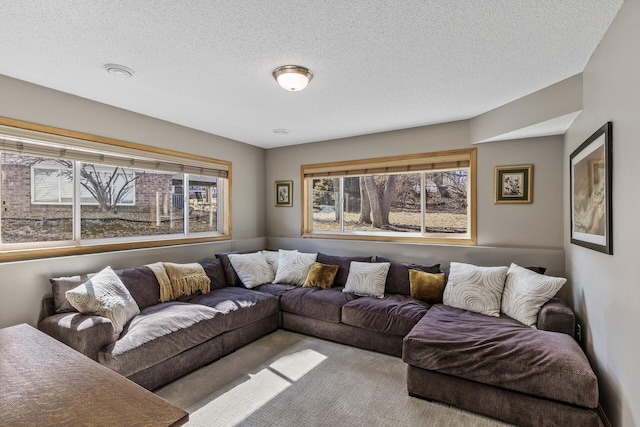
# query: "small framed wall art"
283, 193
514, 184
590, 188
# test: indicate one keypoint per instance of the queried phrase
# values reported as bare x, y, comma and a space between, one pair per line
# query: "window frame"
422, 162
46, 249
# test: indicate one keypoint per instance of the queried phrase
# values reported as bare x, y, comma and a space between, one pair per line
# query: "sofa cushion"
394, 314
105, 295
142, 285
276, 289
322, 304
215, 272
343, 263
240, 306
474, 288
501, 352
159, 332
398, 277
60, 285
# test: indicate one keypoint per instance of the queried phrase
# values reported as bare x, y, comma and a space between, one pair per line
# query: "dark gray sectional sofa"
167, 340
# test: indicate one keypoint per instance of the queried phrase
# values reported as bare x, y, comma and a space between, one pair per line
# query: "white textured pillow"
272, 259
367, 278
525, 292
252, 269
473, 288
105, 295
293, 267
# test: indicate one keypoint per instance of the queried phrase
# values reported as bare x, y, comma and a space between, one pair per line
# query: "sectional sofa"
165, 340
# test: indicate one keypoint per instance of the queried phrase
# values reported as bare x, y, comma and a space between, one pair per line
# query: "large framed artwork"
513, 184
590, 187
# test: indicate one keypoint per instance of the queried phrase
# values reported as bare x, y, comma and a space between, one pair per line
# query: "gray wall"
527, 234
22, 284
605, 288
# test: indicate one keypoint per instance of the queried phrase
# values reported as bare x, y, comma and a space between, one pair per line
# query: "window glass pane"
123, 202
383, 203
203, 204
324, 197
31, 209
446, 208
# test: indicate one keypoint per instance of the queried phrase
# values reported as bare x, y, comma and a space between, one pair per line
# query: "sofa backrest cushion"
398, 276
142, 284
343, 263
215, 272
60, 285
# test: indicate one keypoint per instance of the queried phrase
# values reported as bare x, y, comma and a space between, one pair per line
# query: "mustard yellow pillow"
321, 275
427, 287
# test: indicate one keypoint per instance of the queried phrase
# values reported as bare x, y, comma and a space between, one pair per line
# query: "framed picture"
284, 193
514, 184
590, 188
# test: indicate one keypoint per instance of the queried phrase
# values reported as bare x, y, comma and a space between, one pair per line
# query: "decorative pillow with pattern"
293, 267
252, 269
367, 278
272, 259
473, 288
105, 295
525, 292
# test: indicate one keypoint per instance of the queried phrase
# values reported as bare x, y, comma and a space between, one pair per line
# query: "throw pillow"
367, 278
343, 262
427, 287
272, 259
321, 275
398, 277
293, 267
473, 288
525, 292
252, 269
105, 295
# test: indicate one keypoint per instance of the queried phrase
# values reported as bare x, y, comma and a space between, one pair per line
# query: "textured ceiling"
378, 65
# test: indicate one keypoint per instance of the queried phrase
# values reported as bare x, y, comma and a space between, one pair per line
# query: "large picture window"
423, 197
66, 194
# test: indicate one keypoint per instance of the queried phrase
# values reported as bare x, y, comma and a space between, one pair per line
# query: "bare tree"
109, 186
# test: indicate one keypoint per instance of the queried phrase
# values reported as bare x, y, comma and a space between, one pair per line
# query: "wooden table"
45, 383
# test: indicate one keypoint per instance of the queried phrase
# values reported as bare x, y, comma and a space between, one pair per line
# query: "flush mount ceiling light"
119, 70
292, 77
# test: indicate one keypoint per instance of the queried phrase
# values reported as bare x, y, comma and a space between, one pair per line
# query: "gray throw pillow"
252, 269
60, 285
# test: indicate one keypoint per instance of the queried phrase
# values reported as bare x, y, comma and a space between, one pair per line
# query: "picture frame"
513, 184
283, 193
591, 171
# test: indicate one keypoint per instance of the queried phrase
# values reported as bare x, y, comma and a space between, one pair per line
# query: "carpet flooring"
288, 379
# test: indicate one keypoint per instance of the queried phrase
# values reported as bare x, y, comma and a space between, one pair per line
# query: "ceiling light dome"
292, 77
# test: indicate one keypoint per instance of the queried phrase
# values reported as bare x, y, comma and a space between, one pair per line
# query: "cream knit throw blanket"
177, 280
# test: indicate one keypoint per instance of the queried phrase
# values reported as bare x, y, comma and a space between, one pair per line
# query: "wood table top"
44, 383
